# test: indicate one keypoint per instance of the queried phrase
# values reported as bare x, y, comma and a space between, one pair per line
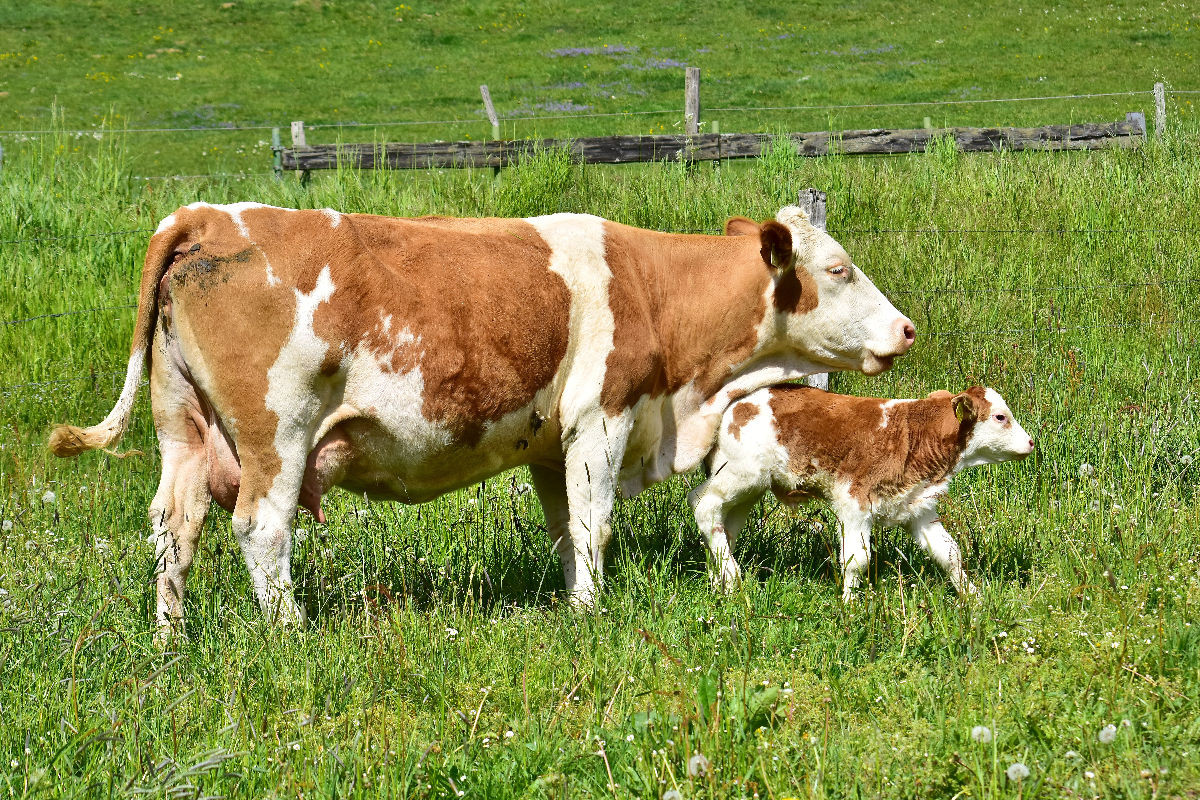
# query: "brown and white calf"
876, 461
294, 351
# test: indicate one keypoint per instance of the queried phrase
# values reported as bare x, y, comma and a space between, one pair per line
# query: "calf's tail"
68, 441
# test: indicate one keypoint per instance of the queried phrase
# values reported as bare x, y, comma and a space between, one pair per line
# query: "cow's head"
823, 305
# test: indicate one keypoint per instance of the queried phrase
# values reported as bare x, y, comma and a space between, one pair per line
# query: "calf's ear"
776, 244
965, 408
740, 226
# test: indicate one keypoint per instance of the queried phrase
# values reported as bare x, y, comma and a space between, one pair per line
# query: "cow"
876, 460
291, 351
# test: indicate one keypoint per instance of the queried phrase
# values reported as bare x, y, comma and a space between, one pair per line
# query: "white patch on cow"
167, 223
272, 279
289, 388
577, 255
335, 218
887, 410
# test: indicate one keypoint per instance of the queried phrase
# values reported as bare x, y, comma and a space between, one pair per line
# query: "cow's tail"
68, 441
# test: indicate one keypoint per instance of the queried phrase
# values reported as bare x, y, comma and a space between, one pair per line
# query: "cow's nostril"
910, 333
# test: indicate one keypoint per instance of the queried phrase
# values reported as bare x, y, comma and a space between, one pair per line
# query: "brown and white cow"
294, 351
875, 460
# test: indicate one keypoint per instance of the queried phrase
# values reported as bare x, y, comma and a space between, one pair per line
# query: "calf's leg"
721, 505
856, 548
932, 537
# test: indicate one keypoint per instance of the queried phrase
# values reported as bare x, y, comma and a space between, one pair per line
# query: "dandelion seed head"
981, 734
697, 766
672, 794
7, 525
1107, 734
1017, 772
49, 497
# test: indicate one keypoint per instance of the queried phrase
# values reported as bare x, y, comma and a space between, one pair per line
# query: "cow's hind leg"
721, 506
177, 516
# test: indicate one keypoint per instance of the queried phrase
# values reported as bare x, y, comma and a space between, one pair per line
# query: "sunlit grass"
441, 658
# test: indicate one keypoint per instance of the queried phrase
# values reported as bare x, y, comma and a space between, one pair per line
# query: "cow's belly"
379, 442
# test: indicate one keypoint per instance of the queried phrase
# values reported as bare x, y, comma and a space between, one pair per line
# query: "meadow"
441, 660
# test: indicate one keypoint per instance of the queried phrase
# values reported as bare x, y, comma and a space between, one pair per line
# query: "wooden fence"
711, 146
693, 145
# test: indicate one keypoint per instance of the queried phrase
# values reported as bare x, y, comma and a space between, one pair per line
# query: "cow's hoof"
585, 600
727, 579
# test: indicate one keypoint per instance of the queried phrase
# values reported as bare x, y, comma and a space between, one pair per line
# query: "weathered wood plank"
711, 146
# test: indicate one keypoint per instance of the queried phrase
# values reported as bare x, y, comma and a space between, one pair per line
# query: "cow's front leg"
934, 539
593, 461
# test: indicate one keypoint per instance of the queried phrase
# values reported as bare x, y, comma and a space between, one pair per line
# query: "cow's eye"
1001, 418
838, 270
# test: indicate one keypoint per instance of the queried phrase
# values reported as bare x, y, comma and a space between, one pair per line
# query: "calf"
875, 460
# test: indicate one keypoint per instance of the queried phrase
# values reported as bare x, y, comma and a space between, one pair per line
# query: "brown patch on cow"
775, 244
741, 226
742, 413
842, 435
471, 303
685, 309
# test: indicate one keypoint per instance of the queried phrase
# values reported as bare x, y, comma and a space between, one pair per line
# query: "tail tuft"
68, 441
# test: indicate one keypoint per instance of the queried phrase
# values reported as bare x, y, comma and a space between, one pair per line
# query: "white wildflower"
629, 738
1071, 754
301, 534
1107, 734
509, 734
672, 794
451, 633
1086, 470
7, 525
1125, 723
49, 497
697, 766
1017, 772
981, 734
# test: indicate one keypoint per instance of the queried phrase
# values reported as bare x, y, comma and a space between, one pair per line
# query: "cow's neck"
717, 320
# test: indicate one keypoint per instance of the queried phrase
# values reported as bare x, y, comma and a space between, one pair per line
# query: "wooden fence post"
1160, 109
812, 202
491, 110
298, 142
276, 154
691, 101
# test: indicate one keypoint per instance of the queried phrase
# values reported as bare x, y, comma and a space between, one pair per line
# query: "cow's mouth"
873, 364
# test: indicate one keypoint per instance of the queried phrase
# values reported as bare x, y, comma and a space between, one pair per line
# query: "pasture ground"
440, 660
190, 66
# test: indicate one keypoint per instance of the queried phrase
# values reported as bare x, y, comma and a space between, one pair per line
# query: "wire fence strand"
714, 109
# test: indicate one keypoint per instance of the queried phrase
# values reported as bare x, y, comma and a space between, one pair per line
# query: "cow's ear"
776, 244
965, 407
740, 226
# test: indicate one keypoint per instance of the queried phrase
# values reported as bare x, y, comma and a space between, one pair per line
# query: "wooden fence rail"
712, 146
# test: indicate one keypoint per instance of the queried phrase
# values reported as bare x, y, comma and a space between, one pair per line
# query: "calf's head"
995, 435
823, 305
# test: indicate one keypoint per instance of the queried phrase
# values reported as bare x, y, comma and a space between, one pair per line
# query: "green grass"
438, 629
258, 63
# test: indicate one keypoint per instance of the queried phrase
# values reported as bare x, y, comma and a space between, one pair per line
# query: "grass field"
440, 659
253, 63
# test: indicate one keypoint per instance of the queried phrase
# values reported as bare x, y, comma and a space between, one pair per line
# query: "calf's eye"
1001, 418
